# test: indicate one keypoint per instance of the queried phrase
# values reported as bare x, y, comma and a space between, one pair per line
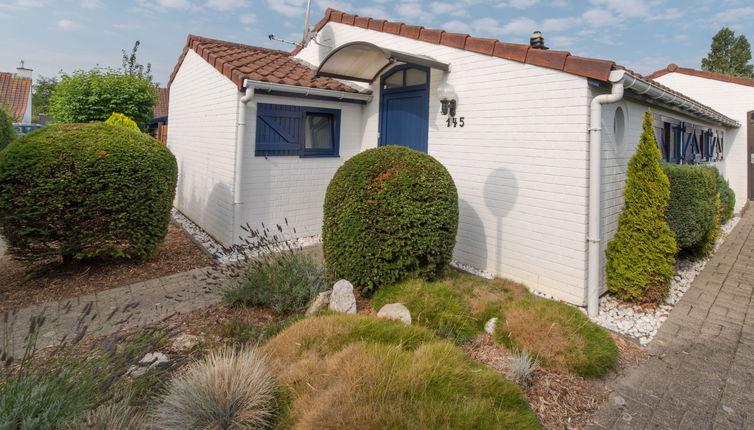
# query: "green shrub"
285, 282
558, 334
727, 197
84, 190
641, 255
692, 207
351, 371
435, 305
122, 121
390, 213
7, 130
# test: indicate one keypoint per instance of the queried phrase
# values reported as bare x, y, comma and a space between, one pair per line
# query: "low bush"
386, 375
559, 335
121, 120
692, 208
7, 130
230, 389
641, 255
727, 197
284, 282
390, 213
435, 305
85, 190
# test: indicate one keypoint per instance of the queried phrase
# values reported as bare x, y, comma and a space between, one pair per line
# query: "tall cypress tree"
641, 255
729, 55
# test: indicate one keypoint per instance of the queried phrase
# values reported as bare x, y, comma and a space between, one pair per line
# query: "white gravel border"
643, 323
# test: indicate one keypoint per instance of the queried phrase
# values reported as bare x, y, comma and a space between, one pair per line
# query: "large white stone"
397, 312
342, 298
490, 325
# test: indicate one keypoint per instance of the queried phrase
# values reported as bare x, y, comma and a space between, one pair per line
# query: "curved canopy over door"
364, 61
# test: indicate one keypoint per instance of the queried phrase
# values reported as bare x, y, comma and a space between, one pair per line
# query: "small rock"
490, 325
619, 401
342, 298
395, 311
322, 299
728, 409
152, 359
185, 342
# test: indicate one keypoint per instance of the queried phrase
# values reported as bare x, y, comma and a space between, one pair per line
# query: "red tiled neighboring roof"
238, 62
560, 60
14, 94
161, 107
673, 68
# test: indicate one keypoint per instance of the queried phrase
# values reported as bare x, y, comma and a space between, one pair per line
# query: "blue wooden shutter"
279, 129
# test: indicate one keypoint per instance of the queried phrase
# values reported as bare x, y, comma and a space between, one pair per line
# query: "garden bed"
22, 285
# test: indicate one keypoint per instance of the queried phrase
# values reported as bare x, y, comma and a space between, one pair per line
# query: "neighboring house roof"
559, 60
161, 107
673, 68
238, 62
14, 94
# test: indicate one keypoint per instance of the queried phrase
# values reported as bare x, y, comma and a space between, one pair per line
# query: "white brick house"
518, 144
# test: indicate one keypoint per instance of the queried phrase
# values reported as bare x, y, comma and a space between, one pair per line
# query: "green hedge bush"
727, 197
122, 121
389, 213
7, 130
641, 255
84, 190
692, 208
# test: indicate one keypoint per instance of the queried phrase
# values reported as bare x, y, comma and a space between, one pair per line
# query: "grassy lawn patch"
350, 371
558, 334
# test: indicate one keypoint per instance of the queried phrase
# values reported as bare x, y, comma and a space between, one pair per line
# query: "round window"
619, 126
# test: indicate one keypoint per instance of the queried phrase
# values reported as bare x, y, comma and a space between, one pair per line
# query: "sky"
644, 35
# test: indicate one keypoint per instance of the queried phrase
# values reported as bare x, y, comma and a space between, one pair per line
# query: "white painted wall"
292, 187
615, 158
734, 101
519, 163
202, 135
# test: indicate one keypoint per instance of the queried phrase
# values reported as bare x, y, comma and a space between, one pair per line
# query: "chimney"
22, 72
537, 41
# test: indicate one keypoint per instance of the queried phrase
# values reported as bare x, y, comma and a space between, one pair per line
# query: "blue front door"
404, 107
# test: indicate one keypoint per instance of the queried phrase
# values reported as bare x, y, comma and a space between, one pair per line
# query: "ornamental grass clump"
228, 390
78, 191
640, 257
390, 213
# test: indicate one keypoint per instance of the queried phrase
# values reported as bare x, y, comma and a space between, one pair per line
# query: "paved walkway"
701, 374
119, 308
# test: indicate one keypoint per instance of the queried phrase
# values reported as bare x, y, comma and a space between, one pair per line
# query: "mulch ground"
561, 400
22, 285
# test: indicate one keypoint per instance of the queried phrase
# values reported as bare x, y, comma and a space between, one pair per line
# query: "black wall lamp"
448, 99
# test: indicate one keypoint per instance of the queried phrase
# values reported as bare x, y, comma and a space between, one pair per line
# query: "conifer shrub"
727, 197
641, 255
692, 208
7, 130
82, 190
122, 121
389, 213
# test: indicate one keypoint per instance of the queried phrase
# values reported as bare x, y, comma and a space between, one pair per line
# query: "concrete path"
701, 374
119, 308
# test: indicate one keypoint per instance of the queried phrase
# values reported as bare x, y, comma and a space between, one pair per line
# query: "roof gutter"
670, 99
307, 91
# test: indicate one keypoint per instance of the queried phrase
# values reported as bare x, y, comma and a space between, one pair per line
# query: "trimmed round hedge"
85, 190
390, 213
692, 208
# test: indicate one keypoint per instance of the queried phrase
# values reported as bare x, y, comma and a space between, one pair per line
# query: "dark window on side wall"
297, 130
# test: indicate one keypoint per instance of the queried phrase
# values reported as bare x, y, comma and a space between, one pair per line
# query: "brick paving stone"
700, 374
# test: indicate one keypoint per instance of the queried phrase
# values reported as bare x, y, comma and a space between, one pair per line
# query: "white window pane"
395, 80
319, 131
415, 77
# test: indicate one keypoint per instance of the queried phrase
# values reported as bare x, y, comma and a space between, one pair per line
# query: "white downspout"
238, 168
595, 193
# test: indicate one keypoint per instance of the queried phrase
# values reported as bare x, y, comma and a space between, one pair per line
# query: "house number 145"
455, 122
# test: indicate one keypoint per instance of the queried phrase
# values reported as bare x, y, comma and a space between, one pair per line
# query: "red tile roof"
238, 62
161, 107
672, 68
559, 60
14, 94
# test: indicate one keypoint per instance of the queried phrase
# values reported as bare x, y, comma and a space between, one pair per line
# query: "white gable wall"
202, 135
734, 101
292, 187
519, 163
